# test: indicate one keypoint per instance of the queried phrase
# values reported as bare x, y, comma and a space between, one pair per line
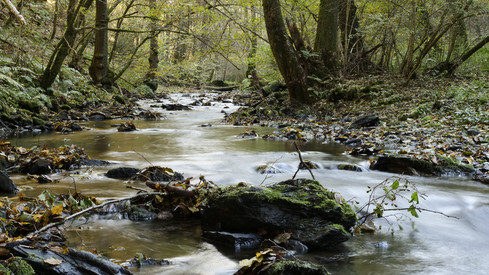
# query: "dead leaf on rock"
53, 261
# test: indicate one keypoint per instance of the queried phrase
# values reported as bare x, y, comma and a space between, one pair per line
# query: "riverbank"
434, 120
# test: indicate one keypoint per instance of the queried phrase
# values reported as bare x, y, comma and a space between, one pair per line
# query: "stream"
430, 244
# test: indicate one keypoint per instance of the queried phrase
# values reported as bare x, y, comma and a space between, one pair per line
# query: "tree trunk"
99, 67
13, 10
153, 47
251, 70
450, 67
285, 56
326, 42
64, 45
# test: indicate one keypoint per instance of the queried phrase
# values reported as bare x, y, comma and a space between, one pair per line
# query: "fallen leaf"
53, 261
57, 209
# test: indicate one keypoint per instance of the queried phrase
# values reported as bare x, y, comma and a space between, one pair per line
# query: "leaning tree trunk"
64, 45
327, 34
99, 67
284, 53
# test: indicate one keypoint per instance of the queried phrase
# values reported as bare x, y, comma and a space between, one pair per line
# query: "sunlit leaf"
395, 185
56, 210
414, 197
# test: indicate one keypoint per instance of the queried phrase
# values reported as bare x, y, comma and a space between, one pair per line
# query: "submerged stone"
138, 213
301, 207
238, 241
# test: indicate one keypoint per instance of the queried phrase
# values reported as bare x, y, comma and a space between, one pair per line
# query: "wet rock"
268, 169
419, 167
366, 121
302, 207
350, 167
97, 116
482, 178
127, 126
140, 262
307, 164
6, 184
157, 173
47, 261
138, 213
237, 241
123, 173
40, 167
176, 107
93, 162
248, 134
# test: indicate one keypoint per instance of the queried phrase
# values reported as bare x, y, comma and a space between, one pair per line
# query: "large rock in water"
6, 184
419, 167
301, 207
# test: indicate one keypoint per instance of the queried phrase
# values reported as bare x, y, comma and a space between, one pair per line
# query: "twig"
88, 210
144, 158
302, 162
136, 188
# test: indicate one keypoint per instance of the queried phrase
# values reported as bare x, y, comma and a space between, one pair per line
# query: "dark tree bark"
153, 47
284, 53
64, 45
251, 70
451, 67
99, 68
326, 43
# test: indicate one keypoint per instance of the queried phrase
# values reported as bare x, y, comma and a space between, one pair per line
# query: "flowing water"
431, 244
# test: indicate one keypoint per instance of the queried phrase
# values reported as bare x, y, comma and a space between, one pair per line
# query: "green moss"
295, 267
120, 99
30, 105
38, 121
339, 227
21, 267
4, 270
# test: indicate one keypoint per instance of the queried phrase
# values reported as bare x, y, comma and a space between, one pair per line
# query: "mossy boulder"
19, 266
301, 207
31, 105
421, 167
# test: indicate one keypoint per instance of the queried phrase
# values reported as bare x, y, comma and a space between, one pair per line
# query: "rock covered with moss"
313, 215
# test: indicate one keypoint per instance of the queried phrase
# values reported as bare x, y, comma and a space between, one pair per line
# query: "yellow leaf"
37, 217
247, 262
57, 209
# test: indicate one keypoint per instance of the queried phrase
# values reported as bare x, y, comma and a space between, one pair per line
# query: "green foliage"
391, 198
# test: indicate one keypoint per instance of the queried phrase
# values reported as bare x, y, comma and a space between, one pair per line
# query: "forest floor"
432, 119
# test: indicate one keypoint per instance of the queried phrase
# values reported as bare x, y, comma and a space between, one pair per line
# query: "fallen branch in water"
89, 210
171, 188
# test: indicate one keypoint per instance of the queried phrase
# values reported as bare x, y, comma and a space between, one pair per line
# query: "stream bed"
197, 143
